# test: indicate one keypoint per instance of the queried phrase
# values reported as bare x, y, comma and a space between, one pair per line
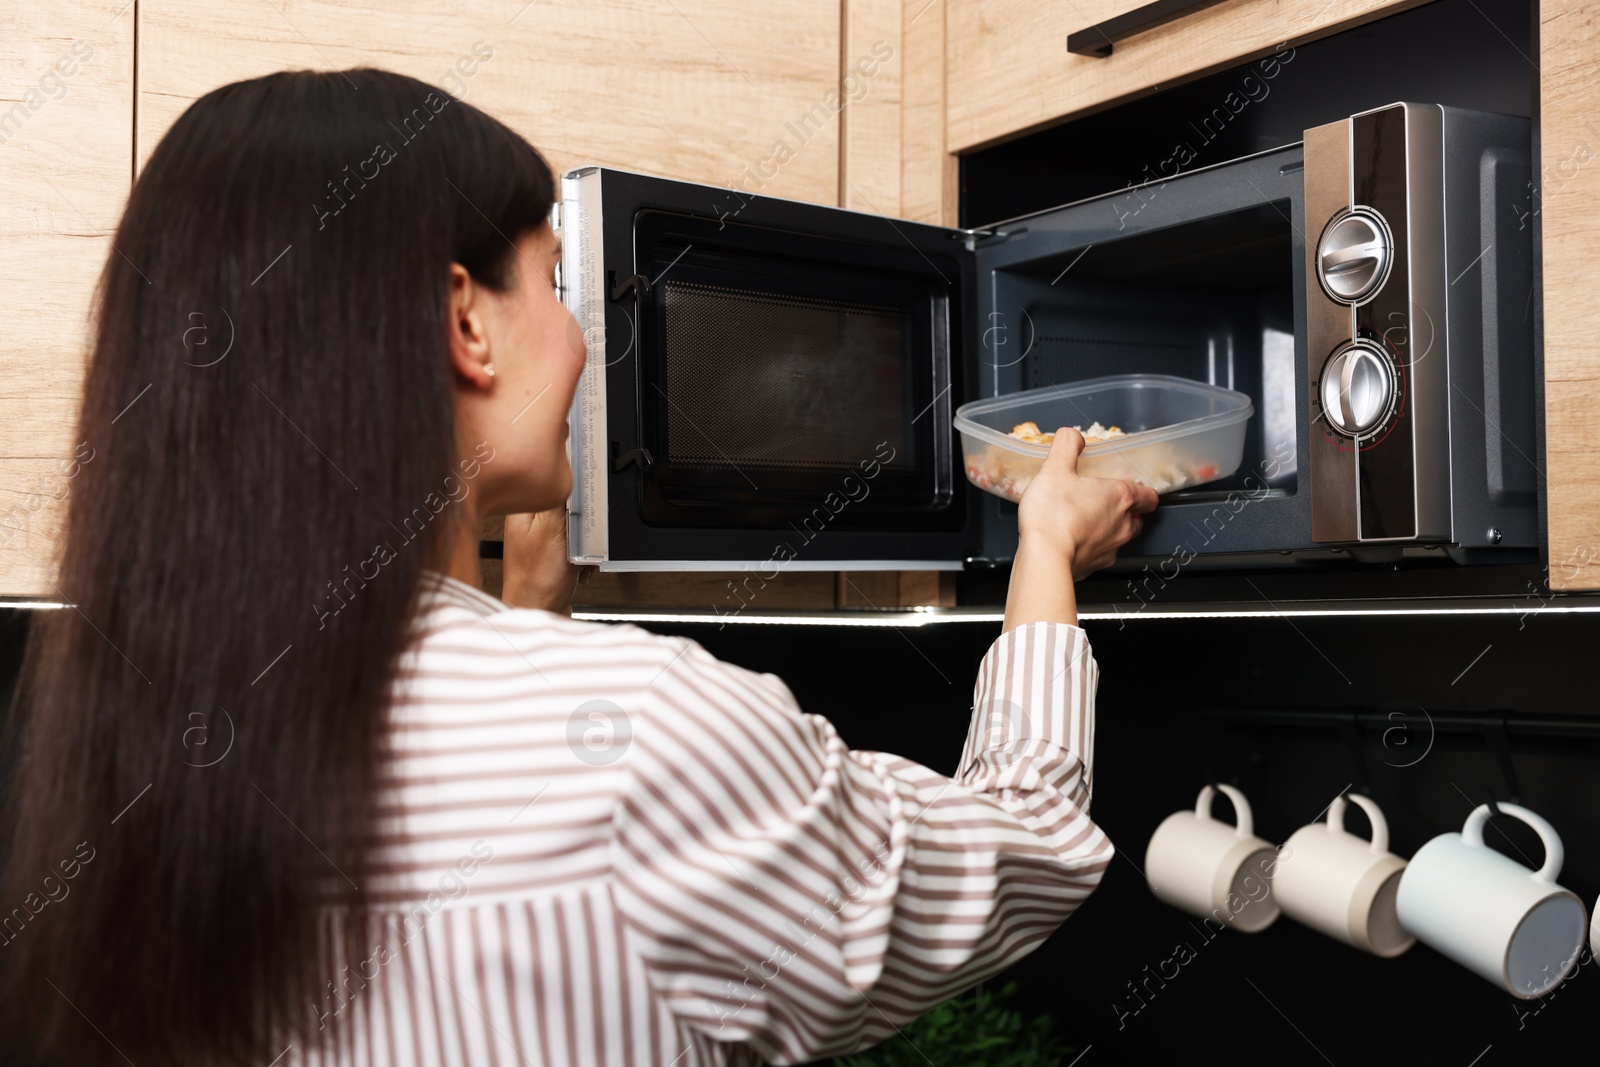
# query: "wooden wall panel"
696, 89
872, 76
930, 173
66, 164
1010, 72
1569, 188
893, 159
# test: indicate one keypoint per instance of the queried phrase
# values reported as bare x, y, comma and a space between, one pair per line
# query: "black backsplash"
1172, 713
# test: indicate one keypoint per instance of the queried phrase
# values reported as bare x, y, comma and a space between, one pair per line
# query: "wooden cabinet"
697, 89
894, 160
1568, 191
1009, 71
66, 164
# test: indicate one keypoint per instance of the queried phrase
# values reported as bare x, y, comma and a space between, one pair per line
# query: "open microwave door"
767, 382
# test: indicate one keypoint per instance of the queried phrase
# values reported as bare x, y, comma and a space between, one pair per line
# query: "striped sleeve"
800, 899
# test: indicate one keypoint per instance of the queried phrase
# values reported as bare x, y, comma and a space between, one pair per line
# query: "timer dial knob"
1357, 388
1354, 255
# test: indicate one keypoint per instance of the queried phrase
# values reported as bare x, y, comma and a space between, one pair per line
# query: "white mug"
1512, 925
1211, 869
1343, 885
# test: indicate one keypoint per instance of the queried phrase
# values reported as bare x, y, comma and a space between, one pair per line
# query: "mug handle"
1380, 826
1554, 856
1241, 807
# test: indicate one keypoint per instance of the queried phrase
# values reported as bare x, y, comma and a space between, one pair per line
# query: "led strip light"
917, 617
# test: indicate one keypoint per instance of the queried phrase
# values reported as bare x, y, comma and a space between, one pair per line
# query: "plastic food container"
1179, 432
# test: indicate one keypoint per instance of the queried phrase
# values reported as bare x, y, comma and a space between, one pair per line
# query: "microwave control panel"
1378, 373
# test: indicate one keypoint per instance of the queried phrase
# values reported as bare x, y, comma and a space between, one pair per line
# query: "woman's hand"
537, 573
1070, 526
1084, 519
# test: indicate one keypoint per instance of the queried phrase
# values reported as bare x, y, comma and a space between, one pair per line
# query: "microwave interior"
1211, 300
784, 373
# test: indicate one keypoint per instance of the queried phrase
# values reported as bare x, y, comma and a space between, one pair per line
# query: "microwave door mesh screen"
764, 381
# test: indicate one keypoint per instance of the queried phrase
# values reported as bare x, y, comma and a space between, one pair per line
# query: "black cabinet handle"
1098, 39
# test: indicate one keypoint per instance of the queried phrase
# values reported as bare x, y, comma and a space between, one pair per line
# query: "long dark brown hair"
269, 393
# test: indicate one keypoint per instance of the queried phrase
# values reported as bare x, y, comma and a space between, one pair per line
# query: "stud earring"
488, 368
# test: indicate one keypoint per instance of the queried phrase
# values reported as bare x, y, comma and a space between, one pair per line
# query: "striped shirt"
598, 845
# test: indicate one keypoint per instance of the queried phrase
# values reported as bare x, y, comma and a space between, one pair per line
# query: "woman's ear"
469, 334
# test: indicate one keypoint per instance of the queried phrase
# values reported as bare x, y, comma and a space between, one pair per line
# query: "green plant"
976, 1029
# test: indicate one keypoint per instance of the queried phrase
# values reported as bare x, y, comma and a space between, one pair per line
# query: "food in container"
1172, 432
1030, 432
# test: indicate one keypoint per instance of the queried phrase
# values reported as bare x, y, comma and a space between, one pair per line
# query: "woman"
291, 789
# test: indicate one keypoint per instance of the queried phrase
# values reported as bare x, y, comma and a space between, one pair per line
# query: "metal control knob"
1354, 254
1357, 388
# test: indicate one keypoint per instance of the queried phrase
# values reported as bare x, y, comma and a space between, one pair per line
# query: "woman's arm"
1069, 526
805, 899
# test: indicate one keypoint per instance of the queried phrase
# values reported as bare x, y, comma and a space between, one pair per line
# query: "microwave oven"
772, 383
